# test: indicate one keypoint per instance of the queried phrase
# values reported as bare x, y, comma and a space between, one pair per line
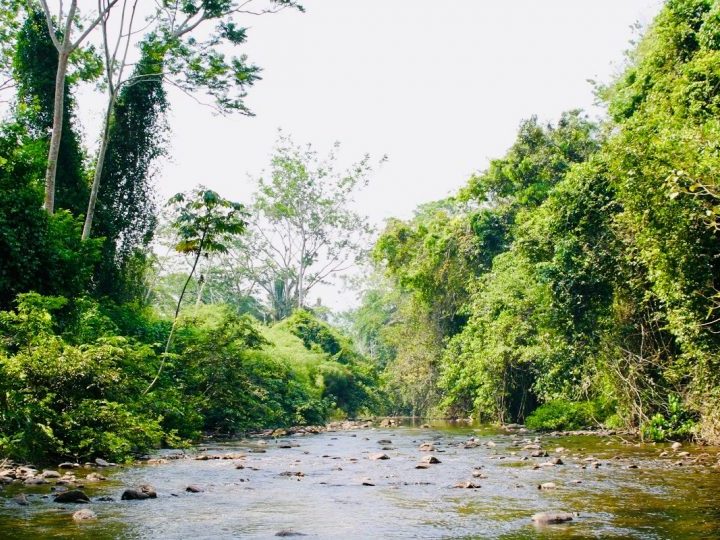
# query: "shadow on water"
314, 485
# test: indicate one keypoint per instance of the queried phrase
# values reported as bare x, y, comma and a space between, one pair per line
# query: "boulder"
430, 459
378, 456
134, 495
194, 488
50, 474
72, 496
102, 463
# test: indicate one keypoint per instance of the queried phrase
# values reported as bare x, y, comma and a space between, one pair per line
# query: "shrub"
563, 415
678, 423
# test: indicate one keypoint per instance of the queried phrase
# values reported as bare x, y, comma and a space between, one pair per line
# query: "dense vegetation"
108, 349
580, 271
572, 283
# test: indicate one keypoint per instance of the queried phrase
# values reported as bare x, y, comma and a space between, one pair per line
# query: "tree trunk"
98, 172
54, 150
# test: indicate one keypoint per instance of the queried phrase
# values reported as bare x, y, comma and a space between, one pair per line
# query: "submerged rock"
289, 532
84, 515
546, 518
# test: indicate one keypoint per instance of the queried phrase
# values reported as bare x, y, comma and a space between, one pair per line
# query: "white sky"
438, 86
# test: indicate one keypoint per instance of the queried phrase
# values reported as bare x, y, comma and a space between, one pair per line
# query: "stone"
557, 461
367, 482
21, 499
95, 477
539, 453
384, 441
72, 496
134, 495
378, 456
467, 485
194, 488
547, 485
50, 474
676, 446
68, 465
35, 481
430, 460
289, 532
84, 515
546, 518
427, 447
102, 463
148, 490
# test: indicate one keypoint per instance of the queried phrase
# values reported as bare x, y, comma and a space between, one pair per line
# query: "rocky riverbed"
359, 480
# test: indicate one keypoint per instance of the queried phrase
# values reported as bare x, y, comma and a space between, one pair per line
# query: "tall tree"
60, 26
34, 69
304, 230
126, 212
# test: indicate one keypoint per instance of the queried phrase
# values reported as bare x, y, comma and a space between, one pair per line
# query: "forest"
573, 283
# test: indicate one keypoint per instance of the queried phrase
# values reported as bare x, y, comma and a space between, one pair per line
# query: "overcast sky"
440, 87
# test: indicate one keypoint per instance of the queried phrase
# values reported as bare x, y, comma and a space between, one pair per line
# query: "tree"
176, 56
126, 213
60, 29
303, 228
34, 69
205, 223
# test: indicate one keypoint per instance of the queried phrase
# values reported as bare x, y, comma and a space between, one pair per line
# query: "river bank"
359, 481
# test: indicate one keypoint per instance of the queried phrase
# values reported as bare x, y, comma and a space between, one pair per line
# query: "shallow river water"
661, 498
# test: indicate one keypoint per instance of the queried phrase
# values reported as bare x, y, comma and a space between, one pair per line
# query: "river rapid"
363, 483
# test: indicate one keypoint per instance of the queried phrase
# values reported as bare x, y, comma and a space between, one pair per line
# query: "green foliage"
348, 380
676, 423
564, 415
61, 400
126, 211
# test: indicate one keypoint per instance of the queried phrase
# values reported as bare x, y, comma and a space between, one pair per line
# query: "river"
314, 485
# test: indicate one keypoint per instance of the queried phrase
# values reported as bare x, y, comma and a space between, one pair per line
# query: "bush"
564, 415
676, 424
59, 400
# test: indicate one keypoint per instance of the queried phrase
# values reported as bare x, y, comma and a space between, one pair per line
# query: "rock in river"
72, 496
84, 515
194, 488
379, 455
134, 495
430, 459
546, 518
